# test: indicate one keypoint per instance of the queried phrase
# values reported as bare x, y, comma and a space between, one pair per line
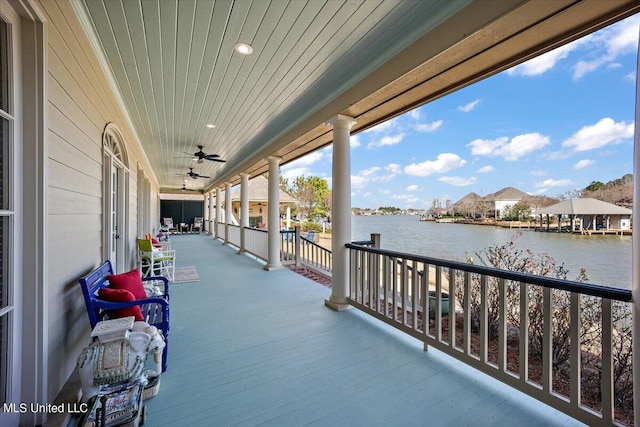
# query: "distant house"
259, 201
502, 200
495, 204
588, 214
469, 205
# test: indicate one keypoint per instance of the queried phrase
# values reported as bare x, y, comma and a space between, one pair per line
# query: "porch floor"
251, 347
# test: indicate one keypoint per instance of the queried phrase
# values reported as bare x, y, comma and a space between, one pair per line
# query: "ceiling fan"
202, 156
193, 174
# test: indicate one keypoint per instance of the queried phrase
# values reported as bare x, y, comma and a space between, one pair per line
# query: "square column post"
635, 250
218, 212
227, 211
211, 222
206, 213
244, 209
341, 210
273, 214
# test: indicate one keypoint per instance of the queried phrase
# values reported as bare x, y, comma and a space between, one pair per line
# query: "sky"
547, 126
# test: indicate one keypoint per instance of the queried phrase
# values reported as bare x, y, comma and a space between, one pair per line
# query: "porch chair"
168, 224
163, 245
102, 305
197, 223
155, 262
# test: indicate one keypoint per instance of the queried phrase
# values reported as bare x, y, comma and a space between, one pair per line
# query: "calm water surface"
606, 259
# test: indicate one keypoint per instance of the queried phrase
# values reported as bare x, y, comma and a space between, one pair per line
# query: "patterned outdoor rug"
185, 275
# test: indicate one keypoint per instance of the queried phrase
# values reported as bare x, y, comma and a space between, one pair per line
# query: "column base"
272, 267
242, 251
337, 303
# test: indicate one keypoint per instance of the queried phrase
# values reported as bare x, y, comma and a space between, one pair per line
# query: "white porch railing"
296, 249
527, 331
256, 242
234, 235
221, 230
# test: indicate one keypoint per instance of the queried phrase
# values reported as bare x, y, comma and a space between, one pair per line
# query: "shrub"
311, 226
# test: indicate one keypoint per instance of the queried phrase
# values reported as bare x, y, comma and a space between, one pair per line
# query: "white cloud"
307, 160
519, 146
549, 183
545, 62
444, 163
293, 173
354, 141
603, 133
583, 164
393, 168
469, 107
538, 173
486, 169
608, 44
415, 114
386, 140
457, 181
383, 127
412, 187
428, 127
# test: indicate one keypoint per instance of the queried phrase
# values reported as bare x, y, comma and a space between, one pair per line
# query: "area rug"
185, 275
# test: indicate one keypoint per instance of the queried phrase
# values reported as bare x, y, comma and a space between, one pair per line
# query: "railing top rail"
256, 229
600, 291
311, 242
363, 242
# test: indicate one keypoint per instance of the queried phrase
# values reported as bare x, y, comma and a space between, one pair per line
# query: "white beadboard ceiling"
175, 68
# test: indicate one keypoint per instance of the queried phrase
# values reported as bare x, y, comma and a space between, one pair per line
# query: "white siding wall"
80, 104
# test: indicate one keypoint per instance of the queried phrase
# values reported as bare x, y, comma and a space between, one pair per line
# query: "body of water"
606, 259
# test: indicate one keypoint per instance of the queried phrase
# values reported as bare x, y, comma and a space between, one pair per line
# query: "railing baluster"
394, 282
502, 332
547, 341
414, 293
424, 286
607, 362
484, 318
575, 351
438, 318
452, 307
523, 350
466, 306
405, 284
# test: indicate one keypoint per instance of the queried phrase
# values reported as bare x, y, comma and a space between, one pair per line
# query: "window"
6, 207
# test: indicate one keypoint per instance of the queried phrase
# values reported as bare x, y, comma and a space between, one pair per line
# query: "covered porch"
251, 347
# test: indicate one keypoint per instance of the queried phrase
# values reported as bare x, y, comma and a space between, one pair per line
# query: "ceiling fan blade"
211, 156
217, 160
205, 177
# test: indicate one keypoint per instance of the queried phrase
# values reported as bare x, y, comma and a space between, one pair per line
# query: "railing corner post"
375, 238
297, 244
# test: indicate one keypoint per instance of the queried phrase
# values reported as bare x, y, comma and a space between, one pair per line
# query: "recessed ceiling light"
210, 126
243, 48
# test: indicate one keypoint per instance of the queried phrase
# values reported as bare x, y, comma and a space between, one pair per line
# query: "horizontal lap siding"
80, 104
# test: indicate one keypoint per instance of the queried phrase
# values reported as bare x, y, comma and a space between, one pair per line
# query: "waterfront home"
589, 216
99, 102
500, 201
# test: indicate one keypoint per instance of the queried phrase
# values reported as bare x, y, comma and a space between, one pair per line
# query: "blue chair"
155, 310
311, 235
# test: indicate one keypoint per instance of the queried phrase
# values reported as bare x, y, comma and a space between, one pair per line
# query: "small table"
183, 228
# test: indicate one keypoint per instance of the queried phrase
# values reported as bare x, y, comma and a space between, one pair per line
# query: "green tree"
314, 196
594, 186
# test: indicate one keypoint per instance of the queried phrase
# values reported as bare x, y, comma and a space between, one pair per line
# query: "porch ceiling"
174, 67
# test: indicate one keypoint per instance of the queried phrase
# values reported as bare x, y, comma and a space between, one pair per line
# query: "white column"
218, 211
227, 210
635, 249
207, 197
244, 209
341, 210
211, 222
273, 214
288, 217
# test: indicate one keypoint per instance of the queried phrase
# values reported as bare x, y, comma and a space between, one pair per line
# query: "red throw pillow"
154, 241
120, 295
130, 281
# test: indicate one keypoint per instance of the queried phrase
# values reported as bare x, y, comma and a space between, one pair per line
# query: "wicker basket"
151, 389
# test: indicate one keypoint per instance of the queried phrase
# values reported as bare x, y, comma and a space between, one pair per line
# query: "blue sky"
547, 126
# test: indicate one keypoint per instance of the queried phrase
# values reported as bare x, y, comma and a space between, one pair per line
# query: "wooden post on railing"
297, 245
375, 238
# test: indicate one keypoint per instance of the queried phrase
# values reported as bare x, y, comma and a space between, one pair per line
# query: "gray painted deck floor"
250, 347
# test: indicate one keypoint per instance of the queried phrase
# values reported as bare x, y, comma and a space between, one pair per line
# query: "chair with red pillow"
109, 296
